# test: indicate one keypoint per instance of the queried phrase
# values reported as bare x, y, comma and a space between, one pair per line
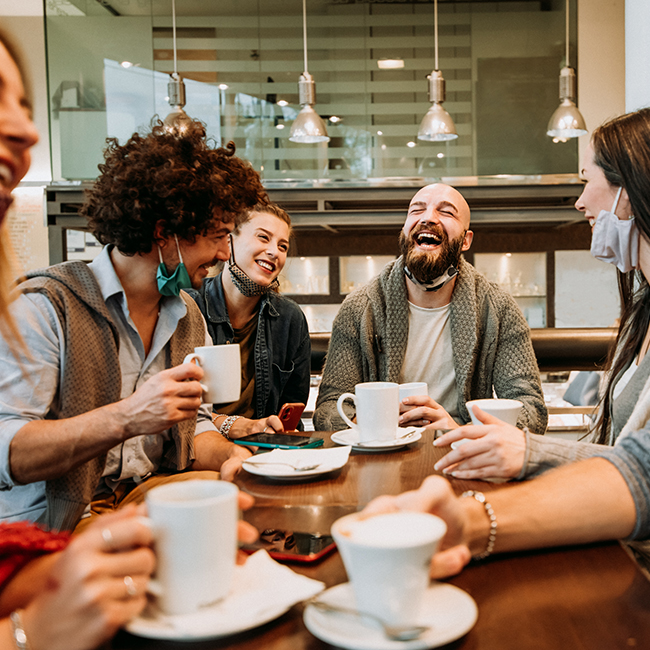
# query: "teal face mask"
171, 285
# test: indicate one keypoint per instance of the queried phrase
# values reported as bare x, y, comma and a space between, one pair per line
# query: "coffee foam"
395, 529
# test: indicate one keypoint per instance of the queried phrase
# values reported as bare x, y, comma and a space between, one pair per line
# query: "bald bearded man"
430, 316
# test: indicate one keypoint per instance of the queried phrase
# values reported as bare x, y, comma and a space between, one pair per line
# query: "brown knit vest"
92, 376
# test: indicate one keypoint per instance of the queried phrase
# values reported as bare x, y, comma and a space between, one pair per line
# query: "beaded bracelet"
492, 535
224, 430
18, 631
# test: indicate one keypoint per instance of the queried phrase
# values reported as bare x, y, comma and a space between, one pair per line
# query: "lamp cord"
304, 30
435, 31
567, 33
174, 34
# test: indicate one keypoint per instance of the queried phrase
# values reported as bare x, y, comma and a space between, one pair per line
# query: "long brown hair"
622, 150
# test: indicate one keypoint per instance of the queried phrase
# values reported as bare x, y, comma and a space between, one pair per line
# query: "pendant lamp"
436, 125
567, 121
177, 118
308, 126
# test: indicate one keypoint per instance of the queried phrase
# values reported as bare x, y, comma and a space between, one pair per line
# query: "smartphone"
290, 415
279, 441
291, 546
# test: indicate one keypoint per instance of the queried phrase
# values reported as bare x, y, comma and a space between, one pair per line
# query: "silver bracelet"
492, 535
225, 427
18, 631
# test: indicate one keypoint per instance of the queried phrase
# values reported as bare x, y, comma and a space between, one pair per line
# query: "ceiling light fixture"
567, 121
308, 126
177, 118
436, 125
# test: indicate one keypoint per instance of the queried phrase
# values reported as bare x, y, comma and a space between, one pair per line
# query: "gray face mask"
244, 284
616, 240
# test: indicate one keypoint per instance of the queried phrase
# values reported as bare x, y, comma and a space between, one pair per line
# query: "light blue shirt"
29, 385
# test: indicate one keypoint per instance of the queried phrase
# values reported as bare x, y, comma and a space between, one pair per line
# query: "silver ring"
108, 538
131, 589
264, 429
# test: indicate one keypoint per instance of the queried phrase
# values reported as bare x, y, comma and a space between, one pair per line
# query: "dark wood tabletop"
583, 598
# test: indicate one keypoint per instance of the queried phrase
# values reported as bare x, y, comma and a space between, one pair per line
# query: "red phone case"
290, 415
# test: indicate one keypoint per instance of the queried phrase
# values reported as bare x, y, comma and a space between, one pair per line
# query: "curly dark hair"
173, 176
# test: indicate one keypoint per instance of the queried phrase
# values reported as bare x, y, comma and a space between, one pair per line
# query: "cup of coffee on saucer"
194, 525
221, 372
387, 558
377, 406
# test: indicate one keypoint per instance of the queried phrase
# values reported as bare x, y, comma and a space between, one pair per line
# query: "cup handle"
339, 408
153, 586
192, 357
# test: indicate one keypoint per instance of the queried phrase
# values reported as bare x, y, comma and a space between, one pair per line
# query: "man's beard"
428, 266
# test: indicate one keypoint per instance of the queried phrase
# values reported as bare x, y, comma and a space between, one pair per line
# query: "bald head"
439, 197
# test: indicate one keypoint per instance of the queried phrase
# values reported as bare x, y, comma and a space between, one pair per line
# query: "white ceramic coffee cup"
377, 404
194, 525
222, 372
505, 409
387, 558
413, 388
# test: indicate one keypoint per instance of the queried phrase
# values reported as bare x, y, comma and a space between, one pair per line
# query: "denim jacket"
282, 346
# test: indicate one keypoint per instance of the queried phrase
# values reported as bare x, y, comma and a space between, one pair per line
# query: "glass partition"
523, 275
108, 65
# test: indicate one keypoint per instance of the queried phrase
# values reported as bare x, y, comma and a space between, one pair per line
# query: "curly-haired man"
101, 408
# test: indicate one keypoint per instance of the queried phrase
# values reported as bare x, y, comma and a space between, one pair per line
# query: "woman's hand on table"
422, 411
95, 586
493, 450
436, 496
245, 426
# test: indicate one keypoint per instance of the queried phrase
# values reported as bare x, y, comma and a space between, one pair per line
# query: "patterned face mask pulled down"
171, 285
244, 284
615, 240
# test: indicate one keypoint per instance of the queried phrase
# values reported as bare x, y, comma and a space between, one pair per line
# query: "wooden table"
590, 597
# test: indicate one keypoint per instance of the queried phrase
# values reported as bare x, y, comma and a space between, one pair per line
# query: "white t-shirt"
429, 355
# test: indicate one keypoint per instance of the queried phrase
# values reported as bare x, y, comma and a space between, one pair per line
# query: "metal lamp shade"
177, 120
308, 127
566, 122
437, 125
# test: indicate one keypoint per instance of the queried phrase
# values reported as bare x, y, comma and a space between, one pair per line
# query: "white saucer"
351, 437
283, 473
449, 611
262, 590
270, 465
153, 624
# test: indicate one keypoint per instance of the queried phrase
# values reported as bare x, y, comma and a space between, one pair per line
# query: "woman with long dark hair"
616, 200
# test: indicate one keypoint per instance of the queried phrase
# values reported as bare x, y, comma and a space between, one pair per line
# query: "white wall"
637, 54
601, 61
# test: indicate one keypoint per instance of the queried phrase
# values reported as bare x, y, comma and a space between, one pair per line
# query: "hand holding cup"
490, 449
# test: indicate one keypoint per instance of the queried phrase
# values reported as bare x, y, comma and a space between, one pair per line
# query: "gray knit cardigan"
491, 342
